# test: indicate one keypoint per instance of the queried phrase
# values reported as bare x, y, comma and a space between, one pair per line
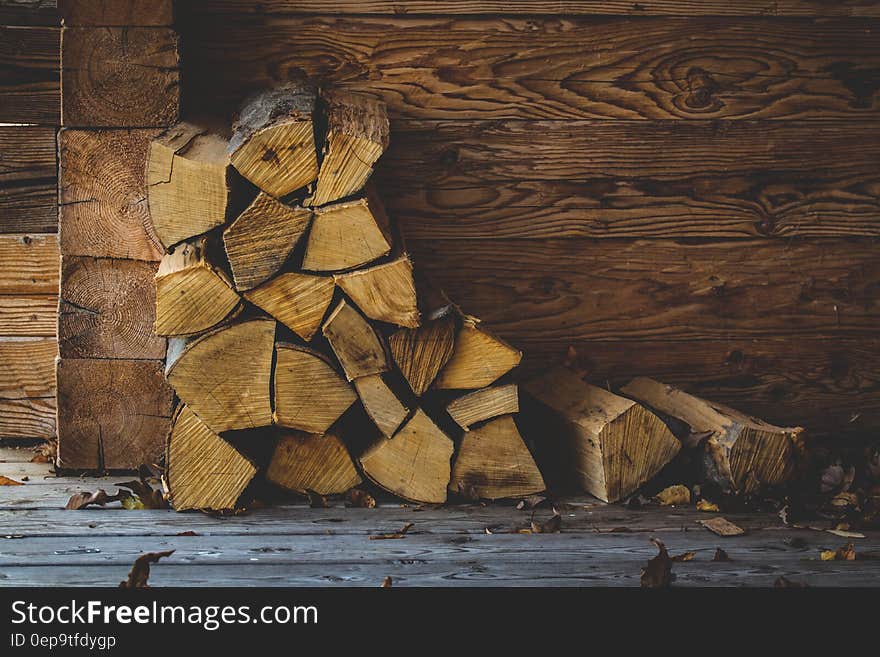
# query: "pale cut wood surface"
484, 404
381, 403
479, 358
358, 348
420, 353
384, 292
312, 462
299, 301
345, 235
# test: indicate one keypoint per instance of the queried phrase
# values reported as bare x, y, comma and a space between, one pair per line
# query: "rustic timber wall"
678, 188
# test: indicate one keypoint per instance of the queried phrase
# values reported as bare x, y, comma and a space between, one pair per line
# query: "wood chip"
722, 527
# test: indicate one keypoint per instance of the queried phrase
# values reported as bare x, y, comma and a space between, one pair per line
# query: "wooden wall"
686, 189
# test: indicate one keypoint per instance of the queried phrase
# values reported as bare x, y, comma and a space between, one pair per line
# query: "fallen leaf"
706, 505
530, 502
386, 583
844, 553
44, 453
399, 534
783, 582
845, 499
82, 500
674, 495
140, 571
186, 533
361, 499
146, 497
720, 555
658, 572
25, 478
551, 526
843, 533
317, 501
686, 556
722, 527
6, 481
132, 503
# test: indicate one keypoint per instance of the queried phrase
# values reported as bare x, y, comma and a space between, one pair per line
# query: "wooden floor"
43, 545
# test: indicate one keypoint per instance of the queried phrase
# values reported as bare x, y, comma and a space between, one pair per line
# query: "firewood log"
224, 375
188, 182
356, 344
261, 239
385, 292
484, 404
307, 462
273, 143
203, 470
479, 358
741, 453
310, 394
192, 295
381, 404
613, 444
348, 234
357, 135
414, 464
299, 301
421, 353
493, 462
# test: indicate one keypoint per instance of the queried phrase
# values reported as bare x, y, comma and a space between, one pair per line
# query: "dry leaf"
722, 527
721, 555
82, 500
845, 499
843, 533
784, 583
44, 453
6, 481
144, 496
386, 583
674, 495
399, 534
530, 502
687, 556
551, 526
361, 499
186, 533
658, 572
706, 505
140, 571
844, 553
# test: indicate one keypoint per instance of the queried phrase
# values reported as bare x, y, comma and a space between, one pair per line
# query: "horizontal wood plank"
121, 13
442, 67
29, 12
30, 88
29, 264
33, 417
28, 195
565, 7
28, 367
610, 179
29, 315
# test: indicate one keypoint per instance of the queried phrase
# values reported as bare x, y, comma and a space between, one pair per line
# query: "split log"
614, 444
422, 352
299, 301
224, 375
493, 462
484, 404
386, 292
478, 360
261, 239
305, 462
188, 182
741, 453
357, 135
273, 140
191, 294
414, 464
310, 394
356, 344
203, 470
346, 235
381, 404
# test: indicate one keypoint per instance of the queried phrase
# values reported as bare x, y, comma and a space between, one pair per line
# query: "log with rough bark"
421, 353
310, 394
479, 358
740, 453
273, 140
612, 444
414, 464
484, 404
305, 462
224, 375
299, 301
204, 471
188, 182
385, 292
493, 462
262, 238
192, 294
355, 342
357, 135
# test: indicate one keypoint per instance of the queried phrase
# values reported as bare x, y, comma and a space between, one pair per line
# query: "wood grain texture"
28, 367
28, 264
611, 179
112, 414
29, 315
104, 210
120, 77
122, 13
30, 86
565, 7
28, 201
108, 309
552, 67
30, 12
33, 417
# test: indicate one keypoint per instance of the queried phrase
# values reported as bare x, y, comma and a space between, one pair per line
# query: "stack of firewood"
291, 303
